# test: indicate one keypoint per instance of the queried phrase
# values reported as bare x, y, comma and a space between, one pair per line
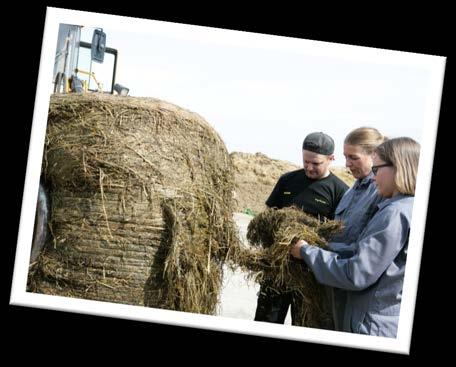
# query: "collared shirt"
373, 276
356, 208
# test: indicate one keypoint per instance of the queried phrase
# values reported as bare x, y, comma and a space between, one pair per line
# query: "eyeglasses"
375, 168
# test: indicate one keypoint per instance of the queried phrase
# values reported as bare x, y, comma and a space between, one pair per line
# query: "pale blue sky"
267, 100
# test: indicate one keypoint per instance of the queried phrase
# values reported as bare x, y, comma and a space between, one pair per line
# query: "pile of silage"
141, 204
271, 234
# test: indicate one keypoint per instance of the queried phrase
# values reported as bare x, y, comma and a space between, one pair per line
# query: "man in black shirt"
316, 191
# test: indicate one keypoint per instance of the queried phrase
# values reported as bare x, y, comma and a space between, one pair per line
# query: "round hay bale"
271, 233
141, 204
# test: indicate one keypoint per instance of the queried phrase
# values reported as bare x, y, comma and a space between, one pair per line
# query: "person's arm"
344, 250
274, 200
384, 237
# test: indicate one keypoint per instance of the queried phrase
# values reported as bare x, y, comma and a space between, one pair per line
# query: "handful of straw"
268, 260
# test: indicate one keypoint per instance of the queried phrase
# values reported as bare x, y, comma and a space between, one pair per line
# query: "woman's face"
384, 178
358, 162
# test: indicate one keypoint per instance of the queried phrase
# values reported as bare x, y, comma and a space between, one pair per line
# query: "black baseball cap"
319, 143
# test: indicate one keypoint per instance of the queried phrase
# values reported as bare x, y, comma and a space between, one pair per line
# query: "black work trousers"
272, 306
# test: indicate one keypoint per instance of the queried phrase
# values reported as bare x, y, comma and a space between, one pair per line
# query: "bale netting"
268, 260
141, 204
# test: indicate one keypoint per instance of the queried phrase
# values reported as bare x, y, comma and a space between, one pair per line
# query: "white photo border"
19, 296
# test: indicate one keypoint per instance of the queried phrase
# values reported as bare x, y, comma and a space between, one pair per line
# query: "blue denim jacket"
373, 276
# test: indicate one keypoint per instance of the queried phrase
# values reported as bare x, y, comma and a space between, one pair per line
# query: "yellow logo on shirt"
287, 193
321, 201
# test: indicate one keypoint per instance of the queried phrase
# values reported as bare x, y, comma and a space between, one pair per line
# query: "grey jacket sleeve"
377, 247
344, 250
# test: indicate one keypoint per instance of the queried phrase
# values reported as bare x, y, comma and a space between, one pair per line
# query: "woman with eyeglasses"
372, 274
358, 204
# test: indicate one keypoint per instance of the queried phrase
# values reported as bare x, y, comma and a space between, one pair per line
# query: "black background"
65, 337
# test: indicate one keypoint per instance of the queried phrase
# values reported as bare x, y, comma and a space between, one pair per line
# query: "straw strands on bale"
141, 204
269, 261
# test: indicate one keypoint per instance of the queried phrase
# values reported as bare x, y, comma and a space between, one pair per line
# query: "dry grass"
141, 194
271, 234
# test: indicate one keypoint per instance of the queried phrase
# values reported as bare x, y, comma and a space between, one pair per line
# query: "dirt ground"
256, 175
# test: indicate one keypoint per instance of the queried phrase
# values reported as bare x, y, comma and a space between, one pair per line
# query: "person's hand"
295, 249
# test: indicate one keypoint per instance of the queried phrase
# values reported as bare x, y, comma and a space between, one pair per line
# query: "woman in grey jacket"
372, 273
357, 206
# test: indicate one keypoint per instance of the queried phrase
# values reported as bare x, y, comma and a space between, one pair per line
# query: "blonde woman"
358, 205
372, 276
